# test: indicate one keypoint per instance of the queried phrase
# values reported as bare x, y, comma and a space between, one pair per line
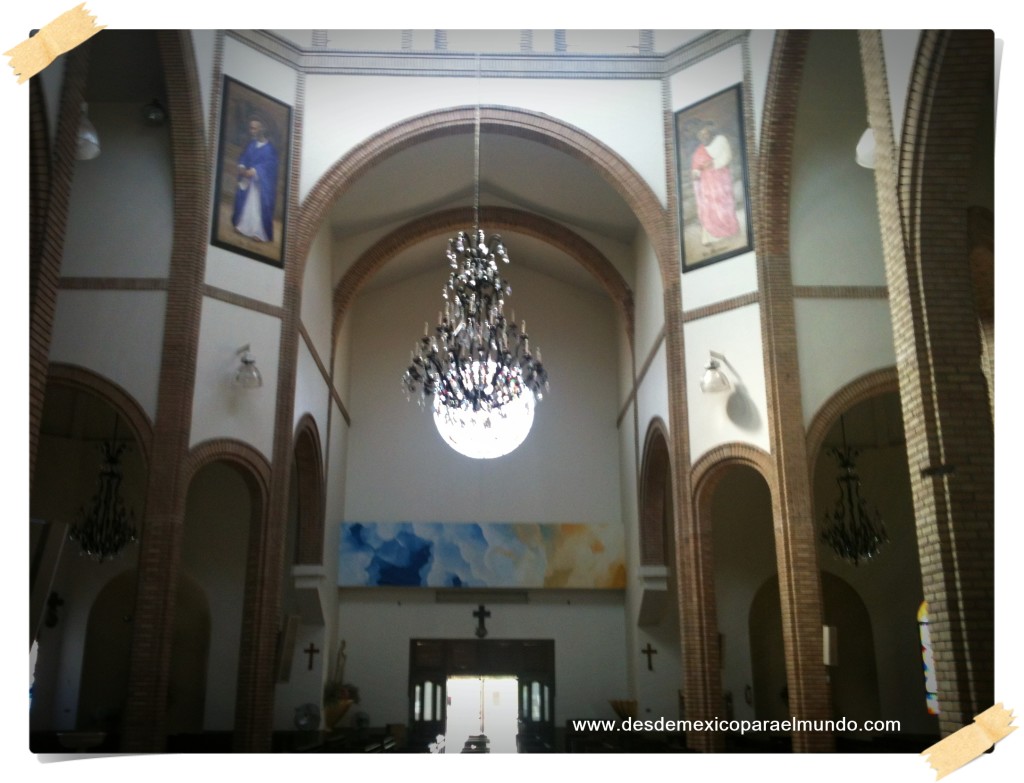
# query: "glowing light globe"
486, 434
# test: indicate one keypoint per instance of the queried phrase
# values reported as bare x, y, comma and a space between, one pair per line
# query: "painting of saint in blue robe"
250, 211
253, 215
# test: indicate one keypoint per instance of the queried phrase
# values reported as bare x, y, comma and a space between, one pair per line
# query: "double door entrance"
499, 687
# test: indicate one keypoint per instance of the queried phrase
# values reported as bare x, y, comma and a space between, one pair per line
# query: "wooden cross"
649, 651
311, 651
481, 614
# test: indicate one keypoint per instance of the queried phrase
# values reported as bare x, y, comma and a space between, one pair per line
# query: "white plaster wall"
739, 415
838, 340
835, 237
648, 297
714, 283
707, 77
259, 71
652, 394
899, 47
311, 393
52, 80
318, 295
586, 626
628, 468
120, 215
118, 334
760, 45
626, 115
219, 408
305, 683
342, 353
203, 42
567, 469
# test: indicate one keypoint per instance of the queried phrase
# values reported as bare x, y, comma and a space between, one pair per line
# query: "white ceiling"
515, 172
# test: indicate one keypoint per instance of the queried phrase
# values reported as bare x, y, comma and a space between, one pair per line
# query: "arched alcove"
221, 522
743, 540
866, 415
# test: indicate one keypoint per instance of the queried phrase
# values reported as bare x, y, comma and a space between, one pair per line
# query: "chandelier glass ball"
476, 362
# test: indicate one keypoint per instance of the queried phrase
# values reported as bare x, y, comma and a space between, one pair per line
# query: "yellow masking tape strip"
61, 35
968, 743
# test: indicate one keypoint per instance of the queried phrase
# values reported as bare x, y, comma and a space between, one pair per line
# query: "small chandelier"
853, 529
476, 362
106, 527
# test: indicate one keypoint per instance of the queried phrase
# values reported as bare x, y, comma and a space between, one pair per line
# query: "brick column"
795, 535
46, 256
144, 728
922, 196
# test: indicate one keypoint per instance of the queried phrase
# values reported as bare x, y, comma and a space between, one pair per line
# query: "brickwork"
698, 627
869, 385
39, 182
256, 680
795, 538
309, 546
704, 476
922, 198
144, 726
127, 407
493, 219
46, 269
655, 482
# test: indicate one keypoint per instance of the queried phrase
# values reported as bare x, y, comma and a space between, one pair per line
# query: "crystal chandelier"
476, 362
853, 529
106, 527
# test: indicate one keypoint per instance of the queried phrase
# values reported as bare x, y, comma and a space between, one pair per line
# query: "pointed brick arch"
656, 496
923, 184
309, 468
542, 128
863, 388
498, 219
127, 407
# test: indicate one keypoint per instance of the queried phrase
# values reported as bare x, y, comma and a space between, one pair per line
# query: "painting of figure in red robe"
252, 173
712, 180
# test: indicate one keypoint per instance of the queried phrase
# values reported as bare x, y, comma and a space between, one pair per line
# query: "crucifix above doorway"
481, 614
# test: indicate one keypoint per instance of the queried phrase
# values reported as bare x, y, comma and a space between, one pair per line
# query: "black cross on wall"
311, 651
649, 651
481, 614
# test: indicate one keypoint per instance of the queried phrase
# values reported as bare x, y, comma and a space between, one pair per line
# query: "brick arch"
655, 489
865, 387
309, 468
701, 603
924, 196
497, 218
252, 465
127, 407
709, 469
523, 123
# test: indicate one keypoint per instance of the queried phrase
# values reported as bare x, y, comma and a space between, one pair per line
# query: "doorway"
482, 705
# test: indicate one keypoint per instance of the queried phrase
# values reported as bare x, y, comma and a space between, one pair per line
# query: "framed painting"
714, 194
249, 215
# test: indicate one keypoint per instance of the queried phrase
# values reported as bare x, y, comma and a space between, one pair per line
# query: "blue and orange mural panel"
495, 554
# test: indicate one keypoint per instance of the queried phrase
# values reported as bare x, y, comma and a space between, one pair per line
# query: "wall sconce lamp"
248, 375
153, 113
865, 154
714, 379
88, 140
